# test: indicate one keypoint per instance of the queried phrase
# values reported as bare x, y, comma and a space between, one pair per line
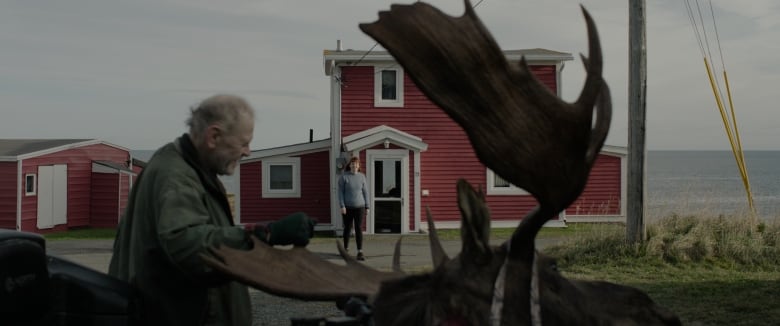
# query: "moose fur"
460, 291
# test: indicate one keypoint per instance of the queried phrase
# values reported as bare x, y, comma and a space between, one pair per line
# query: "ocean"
693, 182
709, 182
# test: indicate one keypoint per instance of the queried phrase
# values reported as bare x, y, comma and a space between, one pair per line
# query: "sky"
127, 72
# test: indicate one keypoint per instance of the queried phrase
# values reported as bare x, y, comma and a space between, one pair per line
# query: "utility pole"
637, 91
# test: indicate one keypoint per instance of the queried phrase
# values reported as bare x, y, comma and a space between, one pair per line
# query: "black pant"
354, 217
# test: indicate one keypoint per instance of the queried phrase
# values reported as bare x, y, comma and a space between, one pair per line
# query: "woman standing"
353, 198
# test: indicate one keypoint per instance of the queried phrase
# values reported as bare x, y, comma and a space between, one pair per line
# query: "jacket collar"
207, 178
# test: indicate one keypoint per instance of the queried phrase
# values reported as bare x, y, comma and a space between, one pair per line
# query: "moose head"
521, 131
485, 285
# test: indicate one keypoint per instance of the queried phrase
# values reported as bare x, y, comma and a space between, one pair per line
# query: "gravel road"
272, 310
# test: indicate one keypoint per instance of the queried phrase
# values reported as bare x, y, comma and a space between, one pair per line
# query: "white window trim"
512, 190
295, 192
399, 87
34, 183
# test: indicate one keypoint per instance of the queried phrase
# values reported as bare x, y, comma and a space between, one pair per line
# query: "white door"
388, 176
52, 195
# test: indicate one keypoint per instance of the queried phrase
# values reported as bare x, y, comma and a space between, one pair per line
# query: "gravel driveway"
273, 310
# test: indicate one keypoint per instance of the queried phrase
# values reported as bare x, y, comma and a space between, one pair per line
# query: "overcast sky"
127, 71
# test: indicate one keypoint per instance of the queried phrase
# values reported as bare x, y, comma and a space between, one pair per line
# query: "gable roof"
139, 163
113, 166
296, 149
333, 57
19, 149
379, 134
619, 151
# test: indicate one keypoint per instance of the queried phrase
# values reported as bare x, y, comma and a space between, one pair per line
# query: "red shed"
413, 154
57, 184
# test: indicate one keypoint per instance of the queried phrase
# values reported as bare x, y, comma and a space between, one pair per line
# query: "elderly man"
178, 209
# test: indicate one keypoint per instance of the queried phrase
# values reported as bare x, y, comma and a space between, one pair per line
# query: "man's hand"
294, 229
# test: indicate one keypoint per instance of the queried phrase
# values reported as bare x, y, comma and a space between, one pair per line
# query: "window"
388, 87
29, 184
389, 92
281, 178
496, 185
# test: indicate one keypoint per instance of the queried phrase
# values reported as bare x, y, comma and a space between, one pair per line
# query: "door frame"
382, 154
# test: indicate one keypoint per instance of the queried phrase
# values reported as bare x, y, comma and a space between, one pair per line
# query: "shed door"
52, 195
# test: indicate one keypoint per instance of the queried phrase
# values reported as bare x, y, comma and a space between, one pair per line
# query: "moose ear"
475, 223
437, 252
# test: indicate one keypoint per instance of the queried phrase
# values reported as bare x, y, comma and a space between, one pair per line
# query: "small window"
30, 184
389, 91
281, 178
496, 185
388, 87
499, 182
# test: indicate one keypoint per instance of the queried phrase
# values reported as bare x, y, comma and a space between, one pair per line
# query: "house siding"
602, 193
124, 194
104, 204
79, 162
315, 192
449, 156
253, 207
8, 194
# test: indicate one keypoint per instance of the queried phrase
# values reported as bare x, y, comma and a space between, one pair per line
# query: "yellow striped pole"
736, 146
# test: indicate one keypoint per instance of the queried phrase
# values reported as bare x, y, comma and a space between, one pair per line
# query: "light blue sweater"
353, 192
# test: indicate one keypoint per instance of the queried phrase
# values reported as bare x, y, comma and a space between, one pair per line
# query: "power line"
717, 37
695, 26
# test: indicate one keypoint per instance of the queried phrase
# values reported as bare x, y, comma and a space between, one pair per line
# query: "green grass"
90, 233
709, 270
699, 294
572, 230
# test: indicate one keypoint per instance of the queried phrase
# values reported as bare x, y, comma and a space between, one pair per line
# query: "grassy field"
91, 233
708, 270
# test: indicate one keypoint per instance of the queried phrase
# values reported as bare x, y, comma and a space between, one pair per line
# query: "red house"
57, 184
412, 155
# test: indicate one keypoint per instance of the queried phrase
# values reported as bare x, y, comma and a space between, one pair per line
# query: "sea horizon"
708, 182
684, 182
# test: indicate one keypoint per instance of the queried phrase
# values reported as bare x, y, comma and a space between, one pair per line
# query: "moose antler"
521, 131
299, 273
517, 126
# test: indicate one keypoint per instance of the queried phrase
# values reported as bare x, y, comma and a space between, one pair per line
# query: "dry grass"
710, 270
735, 240
727, 241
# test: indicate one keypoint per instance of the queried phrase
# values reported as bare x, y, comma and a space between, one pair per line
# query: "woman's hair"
353, 159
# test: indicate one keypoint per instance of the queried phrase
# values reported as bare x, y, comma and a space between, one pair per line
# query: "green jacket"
175, 212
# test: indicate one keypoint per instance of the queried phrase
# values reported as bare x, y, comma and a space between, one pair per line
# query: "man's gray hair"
223, 109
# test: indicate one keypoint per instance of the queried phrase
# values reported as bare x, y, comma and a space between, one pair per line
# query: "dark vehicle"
41, 289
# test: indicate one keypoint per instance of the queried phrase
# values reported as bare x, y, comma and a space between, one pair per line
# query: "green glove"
294, 229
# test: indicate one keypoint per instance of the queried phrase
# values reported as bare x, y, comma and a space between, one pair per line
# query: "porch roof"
380, 134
